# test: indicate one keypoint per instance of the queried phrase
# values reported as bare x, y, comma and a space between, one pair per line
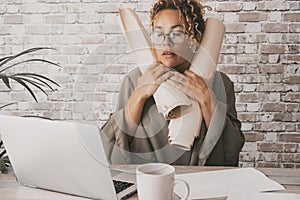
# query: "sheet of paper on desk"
221, 183
264, 196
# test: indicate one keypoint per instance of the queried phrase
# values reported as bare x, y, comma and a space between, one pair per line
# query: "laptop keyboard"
121, 185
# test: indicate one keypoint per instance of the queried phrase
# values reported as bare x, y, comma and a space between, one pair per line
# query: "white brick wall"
260, 54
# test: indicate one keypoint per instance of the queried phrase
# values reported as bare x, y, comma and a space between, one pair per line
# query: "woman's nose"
167, 41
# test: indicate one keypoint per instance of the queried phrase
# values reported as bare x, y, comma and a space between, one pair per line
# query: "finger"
161, 71
164, 77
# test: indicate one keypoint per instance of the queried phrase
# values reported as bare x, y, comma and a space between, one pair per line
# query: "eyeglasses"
176, 37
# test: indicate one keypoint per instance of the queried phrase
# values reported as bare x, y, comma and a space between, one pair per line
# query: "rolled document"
137, 38
184, 129
206, 58
184, 113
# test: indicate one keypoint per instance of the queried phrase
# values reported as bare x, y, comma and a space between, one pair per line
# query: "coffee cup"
156, 181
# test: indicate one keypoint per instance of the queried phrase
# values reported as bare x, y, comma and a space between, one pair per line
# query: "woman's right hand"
154, 75
147, 85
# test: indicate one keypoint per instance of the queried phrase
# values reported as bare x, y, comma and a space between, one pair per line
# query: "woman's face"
175, 55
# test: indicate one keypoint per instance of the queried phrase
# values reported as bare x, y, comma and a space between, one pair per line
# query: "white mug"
156, 181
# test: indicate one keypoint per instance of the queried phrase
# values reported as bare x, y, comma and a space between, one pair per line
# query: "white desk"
11, 190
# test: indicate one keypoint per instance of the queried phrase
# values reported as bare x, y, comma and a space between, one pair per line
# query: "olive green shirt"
218, 145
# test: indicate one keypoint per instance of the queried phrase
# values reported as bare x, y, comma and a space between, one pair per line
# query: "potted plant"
27, 80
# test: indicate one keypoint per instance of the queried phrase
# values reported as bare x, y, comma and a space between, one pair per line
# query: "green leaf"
9, 58
5, 80
3, 106
38, 75
30, 60
25, 86
34, 83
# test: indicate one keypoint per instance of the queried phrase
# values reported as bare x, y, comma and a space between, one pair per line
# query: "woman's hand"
147, 85
201, 87
151, 79
197, 88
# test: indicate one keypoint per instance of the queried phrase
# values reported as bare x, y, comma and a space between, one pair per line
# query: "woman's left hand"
197, 88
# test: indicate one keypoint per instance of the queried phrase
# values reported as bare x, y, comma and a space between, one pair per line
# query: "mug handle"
178, 181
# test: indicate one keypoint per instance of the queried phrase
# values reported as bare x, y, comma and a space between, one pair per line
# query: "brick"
247, 59
291, 97
235, 28
283, 157
253, 28
251, 78
5, 30
253, 38
230, 39
34, 8
294, 59
274, 58
284, 117
270, 147
273, 107
273, 5
109, 28
253, 107
251, 69
272, 48
271, 69
248, 156
275, 16
291, 17
251, 97
230, 17
265, 87
252, 17
228, 59
248, 6
269, 126
93, 18
13, 19
229, 6
108, 8
250, 147
254, 136
275, 27
289, 137
75, 29
55, 19
37, 29
291, 148
270, 157
292, 79
294, 28
293, 49
292, 107
232, 49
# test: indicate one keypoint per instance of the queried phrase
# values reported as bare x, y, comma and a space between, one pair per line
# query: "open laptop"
61, 156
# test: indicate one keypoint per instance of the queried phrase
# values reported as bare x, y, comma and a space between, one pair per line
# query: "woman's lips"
168, 54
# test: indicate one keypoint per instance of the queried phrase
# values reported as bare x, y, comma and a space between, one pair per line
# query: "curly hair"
190, 14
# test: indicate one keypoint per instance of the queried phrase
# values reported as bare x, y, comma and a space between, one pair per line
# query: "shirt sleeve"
114, 131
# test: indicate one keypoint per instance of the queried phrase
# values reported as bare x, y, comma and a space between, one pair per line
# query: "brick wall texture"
260, 54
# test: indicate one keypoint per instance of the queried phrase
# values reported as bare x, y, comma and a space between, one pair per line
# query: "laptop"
61, 156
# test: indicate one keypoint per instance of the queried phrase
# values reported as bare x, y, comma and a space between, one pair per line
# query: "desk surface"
10, 189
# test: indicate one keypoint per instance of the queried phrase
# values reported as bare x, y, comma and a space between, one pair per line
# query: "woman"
137, 133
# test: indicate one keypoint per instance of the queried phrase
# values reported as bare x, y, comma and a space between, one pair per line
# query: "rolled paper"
184, 130
204, 62
137, 38
206, 58
184, 113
